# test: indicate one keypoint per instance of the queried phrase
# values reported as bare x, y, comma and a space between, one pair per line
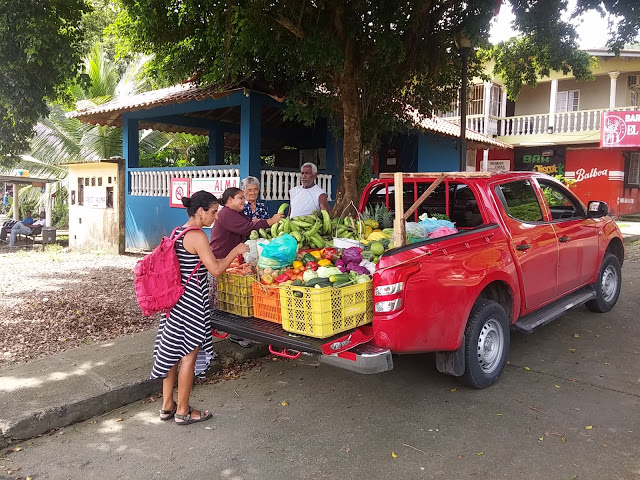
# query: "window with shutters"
568, 101
633, 173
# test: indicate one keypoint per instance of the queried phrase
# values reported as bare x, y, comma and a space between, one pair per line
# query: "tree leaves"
39, 49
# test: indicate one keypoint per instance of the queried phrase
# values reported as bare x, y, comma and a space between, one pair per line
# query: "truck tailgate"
361, 357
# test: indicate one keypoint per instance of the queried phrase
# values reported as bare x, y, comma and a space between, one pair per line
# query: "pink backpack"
158, 283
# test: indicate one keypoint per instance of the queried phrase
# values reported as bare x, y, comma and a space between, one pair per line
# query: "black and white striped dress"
188, 324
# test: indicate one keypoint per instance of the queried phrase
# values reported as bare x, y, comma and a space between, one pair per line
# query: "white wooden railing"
275, 184
477, 124
149, 182
565, 122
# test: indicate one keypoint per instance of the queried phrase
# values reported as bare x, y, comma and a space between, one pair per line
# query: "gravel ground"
54, 300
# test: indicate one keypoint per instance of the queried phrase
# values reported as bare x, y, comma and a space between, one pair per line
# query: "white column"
48, 210
486, 104
485, 160
552, 103
503, 112
612, 89
16, 202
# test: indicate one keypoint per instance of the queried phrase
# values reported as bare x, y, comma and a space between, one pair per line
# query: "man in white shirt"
22, 229
307, 197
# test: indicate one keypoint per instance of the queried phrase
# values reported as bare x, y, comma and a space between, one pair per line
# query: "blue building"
250, 124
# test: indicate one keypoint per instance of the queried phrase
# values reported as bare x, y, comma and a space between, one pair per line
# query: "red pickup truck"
527, 251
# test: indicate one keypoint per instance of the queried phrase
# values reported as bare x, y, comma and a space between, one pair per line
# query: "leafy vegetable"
351, 254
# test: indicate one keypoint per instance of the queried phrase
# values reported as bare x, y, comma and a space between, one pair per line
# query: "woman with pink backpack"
184, 334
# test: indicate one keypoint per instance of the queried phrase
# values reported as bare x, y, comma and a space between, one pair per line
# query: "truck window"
435, 203
464, 211
520, 201
562, 204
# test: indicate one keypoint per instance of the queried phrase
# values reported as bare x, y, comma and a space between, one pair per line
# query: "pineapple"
378, 216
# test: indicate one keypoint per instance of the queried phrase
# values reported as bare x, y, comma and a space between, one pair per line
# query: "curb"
38, 421
630, 238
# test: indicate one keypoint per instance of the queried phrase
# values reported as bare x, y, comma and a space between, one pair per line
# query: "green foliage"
60, 215
364, 178
40, 50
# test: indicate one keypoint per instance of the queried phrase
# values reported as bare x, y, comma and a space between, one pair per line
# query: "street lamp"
464, 47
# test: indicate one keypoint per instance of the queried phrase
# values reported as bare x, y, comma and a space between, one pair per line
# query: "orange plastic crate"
266, 303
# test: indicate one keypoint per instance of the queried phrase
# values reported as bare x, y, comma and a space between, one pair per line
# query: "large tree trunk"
352, 158
351, 151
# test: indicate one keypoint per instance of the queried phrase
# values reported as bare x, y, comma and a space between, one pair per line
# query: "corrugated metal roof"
445, 127
110, 113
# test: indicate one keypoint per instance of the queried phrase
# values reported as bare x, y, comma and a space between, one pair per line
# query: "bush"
60, 215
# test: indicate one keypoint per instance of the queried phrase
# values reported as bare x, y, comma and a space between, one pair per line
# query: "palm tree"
59, 140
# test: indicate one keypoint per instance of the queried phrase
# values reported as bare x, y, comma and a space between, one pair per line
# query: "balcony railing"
538, 124
477, 123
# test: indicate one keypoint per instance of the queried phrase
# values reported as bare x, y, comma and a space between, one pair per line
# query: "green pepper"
308, 258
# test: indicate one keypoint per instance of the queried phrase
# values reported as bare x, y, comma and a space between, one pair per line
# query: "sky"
592, 31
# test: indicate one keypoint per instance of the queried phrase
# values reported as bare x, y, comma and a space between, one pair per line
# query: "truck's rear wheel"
487, 344
607, 285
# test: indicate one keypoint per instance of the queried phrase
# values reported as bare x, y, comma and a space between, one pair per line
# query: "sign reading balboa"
620, 129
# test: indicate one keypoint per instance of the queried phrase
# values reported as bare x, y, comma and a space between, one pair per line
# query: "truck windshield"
462, 207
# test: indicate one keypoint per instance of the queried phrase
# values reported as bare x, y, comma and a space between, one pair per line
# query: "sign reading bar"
179, 188
620, 129
214, 185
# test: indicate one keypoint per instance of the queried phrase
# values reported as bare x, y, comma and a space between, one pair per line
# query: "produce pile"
319, 229
317, 262
300, 251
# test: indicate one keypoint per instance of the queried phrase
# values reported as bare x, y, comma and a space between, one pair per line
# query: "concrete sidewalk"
56, 391
78, 384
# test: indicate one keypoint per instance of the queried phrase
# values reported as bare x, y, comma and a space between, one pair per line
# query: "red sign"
620, 129
179, 188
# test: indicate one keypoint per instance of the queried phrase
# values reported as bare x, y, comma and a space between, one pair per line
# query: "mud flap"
452, 363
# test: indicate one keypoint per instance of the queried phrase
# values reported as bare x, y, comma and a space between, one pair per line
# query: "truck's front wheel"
487, 344
607, 286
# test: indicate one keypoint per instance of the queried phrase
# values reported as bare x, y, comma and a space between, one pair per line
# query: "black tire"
607, 286
487, 342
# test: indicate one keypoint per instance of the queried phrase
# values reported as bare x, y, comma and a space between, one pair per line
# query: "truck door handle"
523, 246
564, 239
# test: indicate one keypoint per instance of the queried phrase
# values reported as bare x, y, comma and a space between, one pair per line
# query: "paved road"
572, 413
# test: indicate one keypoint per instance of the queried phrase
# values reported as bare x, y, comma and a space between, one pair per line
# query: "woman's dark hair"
199, 199
229, 193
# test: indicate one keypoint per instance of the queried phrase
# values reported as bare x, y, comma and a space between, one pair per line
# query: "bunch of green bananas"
307, 230
349, 228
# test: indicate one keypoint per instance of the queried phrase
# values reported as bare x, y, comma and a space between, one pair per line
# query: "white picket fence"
157, 183
275, 184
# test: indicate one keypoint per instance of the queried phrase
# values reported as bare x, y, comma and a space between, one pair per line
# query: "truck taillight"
386, 306
388, 293
389, 289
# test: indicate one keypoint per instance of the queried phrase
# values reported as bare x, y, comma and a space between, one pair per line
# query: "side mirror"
597, 209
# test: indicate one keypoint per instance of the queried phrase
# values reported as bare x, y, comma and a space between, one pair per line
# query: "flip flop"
188, 420
240, 341
168, 413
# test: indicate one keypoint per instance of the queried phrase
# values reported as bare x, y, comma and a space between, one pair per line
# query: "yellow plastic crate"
323, 312
239, 285
242, 310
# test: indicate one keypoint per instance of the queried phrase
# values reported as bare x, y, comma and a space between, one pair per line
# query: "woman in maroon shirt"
233, 227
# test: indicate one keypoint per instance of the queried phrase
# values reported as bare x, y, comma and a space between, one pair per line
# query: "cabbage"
308, 275
351, 254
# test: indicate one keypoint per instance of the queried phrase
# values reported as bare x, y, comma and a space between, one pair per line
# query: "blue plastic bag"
279, 252
432, 224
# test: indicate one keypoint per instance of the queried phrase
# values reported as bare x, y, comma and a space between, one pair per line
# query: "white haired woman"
253, 209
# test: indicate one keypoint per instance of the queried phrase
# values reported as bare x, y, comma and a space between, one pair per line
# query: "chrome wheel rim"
609, 284
490, 346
